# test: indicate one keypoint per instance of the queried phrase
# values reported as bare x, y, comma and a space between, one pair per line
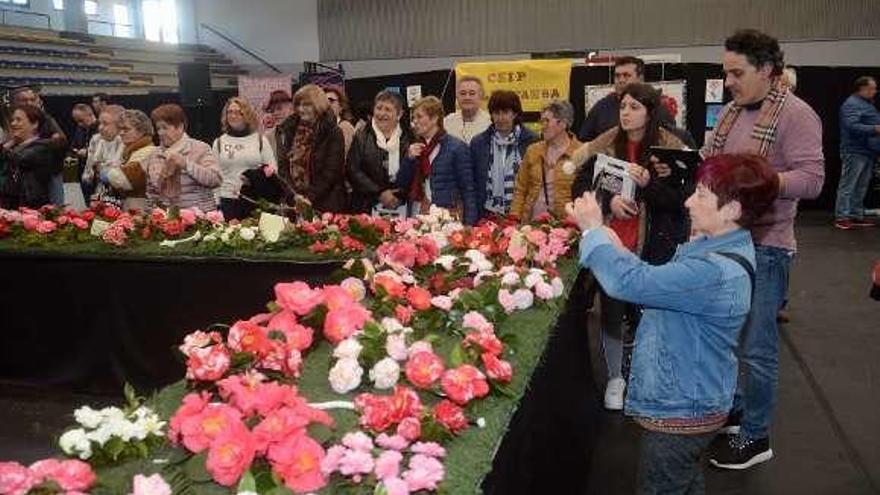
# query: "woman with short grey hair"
128, 179
544, 179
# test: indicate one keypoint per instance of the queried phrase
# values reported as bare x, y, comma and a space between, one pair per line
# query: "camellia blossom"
388, 464
297, 297
345, 376
358, 440
497, 369
464, 384
450, 416
16, 479
344, 322
419, 298
298, 460
150, 485
385, 373
424, 473
423, 369
208, 363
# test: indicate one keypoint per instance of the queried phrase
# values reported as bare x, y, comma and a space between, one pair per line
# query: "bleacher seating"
74, 63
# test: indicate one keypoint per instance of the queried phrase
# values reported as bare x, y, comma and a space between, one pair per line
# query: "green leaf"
247, 482
273, 307
320, 433
279, 490
131, 397
196, 469
457, 356
114, 448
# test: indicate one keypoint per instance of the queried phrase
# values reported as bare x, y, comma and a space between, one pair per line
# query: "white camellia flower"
391, 325
225, 237
88, 417
395, 346
101, 435
478, 278
210, 238
385, 373
345, 376
442, 302
76, 443
420, 346
447, 261
356, 287
558, 287
523, 298
532, 279
248, 234
349, 348
440, 239
510, 278
544, 291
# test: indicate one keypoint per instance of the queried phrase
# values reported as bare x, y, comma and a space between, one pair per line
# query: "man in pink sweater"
767, 119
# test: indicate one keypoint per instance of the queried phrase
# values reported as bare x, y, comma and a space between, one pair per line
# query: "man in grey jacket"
859, 137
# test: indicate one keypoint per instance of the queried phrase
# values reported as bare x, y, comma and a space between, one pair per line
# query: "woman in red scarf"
438, 169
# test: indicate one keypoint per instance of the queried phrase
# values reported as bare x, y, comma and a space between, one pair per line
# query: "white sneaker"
614, 394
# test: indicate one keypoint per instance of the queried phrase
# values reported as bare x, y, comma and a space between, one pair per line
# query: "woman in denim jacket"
684, 364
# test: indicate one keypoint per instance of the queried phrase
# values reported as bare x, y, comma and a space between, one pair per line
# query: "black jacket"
327, 185
25, 172
367, 168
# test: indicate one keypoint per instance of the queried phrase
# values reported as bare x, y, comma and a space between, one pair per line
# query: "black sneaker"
741, 453
731, 426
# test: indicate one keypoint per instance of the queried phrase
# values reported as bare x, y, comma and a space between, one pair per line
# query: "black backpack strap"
743, 262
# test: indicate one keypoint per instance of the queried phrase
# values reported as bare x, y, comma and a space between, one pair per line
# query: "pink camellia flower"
517, 250
523, 298
427, 250
395, 346
199, 431
398, 253
485, 340
150, 485
505, 298
230, 455
477, 321
536, 237
442, 302
544, 291
423, 369
115, 234
208, 364
497, 369
344, 322
419, 298
214, 217
16, 479
46, 226
393, 442
356, 462
287, 421
298, 460
80, 223
251, 394
358, 441
245, 336
424, 473
450, 416
410, 429
197, 340
464, 384
297, 297
404, 314
388, 464
30, 222
192, 405
298, 337
336, 297
420, 346
431, 449
395, 486
70, 475
330, 463
355, 287
188, 217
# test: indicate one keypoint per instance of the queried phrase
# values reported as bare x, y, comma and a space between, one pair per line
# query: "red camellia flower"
245, 336
403, 314
486, 340
427, 251
464, 384
393, 287
423, 369
419, 298
497, 369
379, 412
111, 212
450, 416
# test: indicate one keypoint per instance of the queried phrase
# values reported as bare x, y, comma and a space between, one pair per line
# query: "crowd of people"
675, 261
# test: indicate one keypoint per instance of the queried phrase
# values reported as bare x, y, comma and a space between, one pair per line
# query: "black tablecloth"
90, 323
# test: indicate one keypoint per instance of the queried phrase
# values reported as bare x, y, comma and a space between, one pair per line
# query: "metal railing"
3, 13
241, 47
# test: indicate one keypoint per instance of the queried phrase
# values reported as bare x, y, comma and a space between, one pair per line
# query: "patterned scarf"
504, 160
423, 170
764, 130
301, 157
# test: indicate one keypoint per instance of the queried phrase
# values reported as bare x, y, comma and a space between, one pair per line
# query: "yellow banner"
537, 82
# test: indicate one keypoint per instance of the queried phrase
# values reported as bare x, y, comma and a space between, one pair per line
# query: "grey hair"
139, 121
389, 96
116, 111
561, 110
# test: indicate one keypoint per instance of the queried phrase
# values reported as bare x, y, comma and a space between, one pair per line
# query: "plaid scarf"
764, 130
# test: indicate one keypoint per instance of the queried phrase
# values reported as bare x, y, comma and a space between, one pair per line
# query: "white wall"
829, 53
284, 32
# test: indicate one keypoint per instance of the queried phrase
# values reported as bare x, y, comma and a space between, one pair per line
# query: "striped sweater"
199, 175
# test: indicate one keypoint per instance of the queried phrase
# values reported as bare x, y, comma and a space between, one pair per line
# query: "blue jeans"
671, 464
758, 351
855, 176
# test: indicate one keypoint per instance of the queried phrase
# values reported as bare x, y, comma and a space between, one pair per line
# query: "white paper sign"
271, 226
413, 94
99, 227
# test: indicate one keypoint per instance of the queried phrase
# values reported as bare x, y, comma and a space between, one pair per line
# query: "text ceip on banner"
537, 82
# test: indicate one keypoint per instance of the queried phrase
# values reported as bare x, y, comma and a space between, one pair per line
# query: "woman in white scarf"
374, 159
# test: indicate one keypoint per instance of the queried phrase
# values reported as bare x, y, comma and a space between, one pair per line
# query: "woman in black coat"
375, 156
27, 162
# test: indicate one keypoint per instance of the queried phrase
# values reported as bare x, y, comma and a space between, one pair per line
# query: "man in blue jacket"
859, 139
684, 366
